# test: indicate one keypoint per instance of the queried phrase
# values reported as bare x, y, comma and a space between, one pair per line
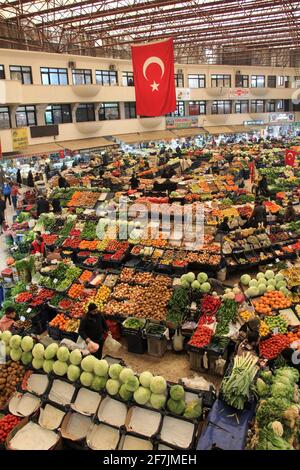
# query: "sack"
111, 344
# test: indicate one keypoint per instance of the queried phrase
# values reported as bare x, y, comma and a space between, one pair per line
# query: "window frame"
245, 78
220, 77
86, 106
22, 72
217, 103
240, 103
256, 105
254, 80
105, 106
127, 75
60, 105
49, 73
179, 80
7, 111
198, 103
128, 109
84, 73
201, 78
272, 81
26, 111
106, 73
2, 69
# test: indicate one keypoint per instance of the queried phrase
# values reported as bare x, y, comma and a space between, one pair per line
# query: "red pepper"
201, 337
271, 348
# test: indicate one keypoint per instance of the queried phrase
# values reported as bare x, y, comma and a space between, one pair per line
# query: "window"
281, 80
127, 79
242, 81
2, 72
21, 73
272, 81
4, 117
26, 116
109, 111
106, 77
197, 107
179, 80
297, 82
196, 81
242, 106
82, 76
130, 111
257, 106
221, 107
271, 106
52, 76
257, 81
280, 105
220, 80
85, 112
58, 114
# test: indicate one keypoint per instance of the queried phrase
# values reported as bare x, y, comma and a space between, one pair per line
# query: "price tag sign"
23, 318
275, 331
55, 281
29, 310
277, 260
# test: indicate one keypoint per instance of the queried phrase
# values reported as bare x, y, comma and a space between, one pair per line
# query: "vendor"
93, 329
290, 213
251, 326
54, 254
134, 182
38, 246
259, 215
62, 182
9, 318
224, 226
43, 206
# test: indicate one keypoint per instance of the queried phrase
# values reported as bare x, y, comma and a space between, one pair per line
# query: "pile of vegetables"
177, 305
236, 388
271, 348
89, 231
277, 422
201, 337
264, 282
189, 280
226, 314
7, 423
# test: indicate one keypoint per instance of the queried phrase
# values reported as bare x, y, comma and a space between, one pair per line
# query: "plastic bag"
111, 344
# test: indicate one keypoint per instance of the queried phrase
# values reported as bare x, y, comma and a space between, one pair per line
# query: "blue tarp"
226, 428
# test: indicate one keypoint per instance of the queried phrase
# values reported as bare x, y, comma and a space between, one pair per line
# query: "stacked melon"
200, 282
18, 348
264, 282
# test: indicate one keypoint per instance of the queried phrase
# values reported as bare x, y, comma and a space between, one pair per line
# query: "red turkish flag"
153, 70
290, 157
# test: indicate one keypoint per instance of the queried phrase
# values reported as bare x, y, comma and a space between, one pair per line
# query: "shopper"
30, 181
2, 213
43, 206
262, 188
9, 318
62, 182
7, 192
14, 195
134, 182
93, 329
290, 213
56, 205
47, 171
224, 226
38, 246
259, 215
54, 254
19, 177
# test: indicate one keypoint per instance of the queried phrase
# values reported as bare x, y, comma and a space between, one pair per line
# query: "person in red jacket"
38, 246
8, 320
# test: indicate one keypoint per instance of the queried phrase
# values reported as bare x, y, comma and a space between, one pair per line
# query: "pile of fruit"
64, 323
85, 199
270, 301
49, 240
24, 297
264, 282
76, 291
7, 423
201, 337
43, 296
85, 276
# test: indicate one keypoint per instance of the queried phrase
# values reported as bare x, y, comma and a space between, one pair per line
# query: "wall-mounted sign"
19, 138
183, 94
281, 117
254, 122
239, 93
181, 122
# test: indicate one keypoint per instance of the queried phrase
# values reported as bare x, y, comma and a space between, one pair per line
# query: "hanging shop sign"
183, 94
19, 138
239, 93
255, 122
181, 122
281, 118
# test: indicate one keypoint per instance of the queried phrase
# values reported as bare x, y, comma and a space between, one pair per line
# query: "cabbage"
63, 354
15, 354
75, 357
269, 274
279, 277
48, 365
38, 351
270, 288
196, 285
132, 384
262, 281
260, 276
27, 343
253, 283
262, 388
261, 288
125, 394
26, 358
252, 292
158, 385
184, 279
86, 379
37, 363
193, 409
280, 284
125, 374
158, 400
60, 368
289, 372
266, 376
185, 284
284, 290
114, 371
279, 389
7, 350
271, 282
245, 279
112, 386
88, 362
145, 379
101, 368
190, 277
15, 341
205, 287
50, 351
142, 395
202, 277
98, 383
176, 406
177, 392
6, 335
73, 373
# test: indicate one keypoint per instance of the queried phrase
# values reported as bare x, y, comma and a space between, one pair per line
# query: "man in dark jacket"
62, 182
259, 215
43, 206
93, 329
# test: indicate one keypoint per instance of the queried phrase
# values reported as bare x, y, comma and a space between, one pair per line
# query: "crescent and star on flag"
149, 61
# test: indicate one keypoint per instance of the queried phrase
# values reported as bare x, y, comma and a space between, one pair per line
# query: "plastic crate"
196, 359
157, 346
136, 343
213, 356
54, 332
